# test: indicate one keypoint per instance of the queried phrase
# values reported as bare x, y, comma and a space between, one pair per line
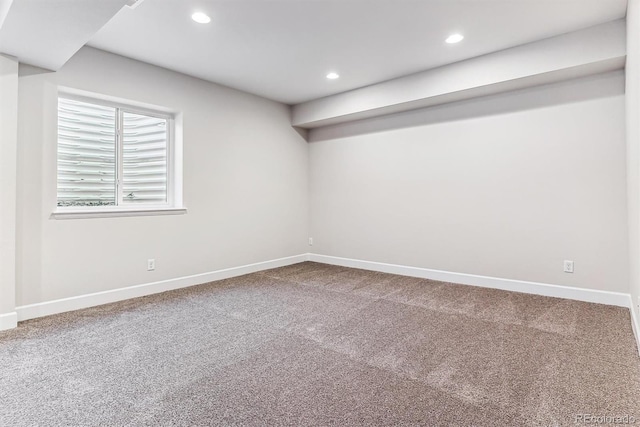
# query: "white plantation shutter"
86, 154
144, 159
108, 156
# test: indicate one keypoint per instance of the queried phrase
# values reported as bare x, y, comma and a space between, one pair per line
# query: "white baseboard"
47, 308
581, 294
31, 311
8, 321
634, 323
618, 299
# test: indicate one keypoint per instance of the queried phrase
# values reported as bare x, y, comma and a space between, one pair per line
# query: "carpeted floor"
312, 344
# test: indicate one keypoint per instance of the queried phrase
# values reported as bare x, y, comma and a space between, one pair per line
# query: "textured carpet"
312, 344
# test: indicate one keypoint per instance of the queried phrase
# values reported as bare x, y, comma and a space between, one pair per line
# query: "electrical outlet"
151, 264
568, 266
310, 241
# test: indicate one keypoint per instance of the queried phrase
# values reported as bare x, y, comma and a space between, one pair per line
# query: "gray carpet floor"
312, 344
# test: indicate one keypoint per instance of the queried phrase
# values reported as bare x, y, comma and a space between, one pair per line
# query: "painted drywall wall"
507, 186
8, 148
633, 150
245, 185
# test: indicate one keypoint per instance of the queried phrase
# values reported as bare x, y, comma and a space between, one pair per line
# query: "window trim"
71, 213
173, 204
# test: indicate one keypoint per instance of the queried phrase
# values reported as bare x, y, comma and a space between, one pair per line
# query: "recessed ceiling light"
454, 38
201, 18
333, 76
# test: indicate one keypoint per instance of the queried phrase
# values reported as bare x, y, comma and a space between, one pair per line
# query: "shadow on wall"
582, 89
25, 70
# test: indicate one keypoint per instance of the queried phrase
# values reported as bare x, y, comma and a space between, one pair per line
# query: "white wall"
245, 185
8, 147
633, 151
504, 186
507, 186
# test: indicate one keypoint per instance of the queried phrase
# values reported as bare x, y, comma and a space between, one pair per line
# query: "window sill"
111, 213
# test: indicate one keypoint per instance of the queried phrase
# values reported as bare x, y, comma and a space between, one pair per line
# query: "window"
113, 158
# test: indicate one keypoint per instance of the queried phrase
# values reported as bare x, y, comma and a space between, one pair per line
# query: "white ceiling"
47, 33
282, 49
